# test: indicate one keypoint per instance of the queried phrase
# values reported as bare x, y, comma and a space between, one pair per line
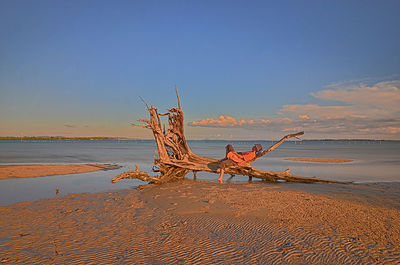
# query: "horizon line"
113, 138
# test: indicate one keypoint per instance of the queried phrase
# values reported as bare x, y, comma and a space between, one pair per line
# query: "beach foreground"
199, 222
36, 170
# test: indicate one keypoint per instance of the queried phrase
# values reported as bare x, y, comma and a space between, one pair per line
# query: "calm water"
373, 162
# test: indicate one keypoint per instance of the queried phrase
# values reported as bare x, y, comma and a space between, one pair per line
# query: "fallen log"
175, 158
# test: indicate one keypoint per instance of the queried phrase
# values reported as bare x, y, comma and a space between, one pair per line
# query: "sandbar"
31, 171
318, 160
199, 223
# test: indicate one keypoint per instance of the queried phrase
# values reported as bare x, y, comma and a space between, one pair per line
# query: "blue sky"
244, 69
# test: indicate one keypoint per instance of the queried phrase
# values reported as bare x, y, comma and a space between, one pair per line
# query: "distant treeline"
204, 140
56, 138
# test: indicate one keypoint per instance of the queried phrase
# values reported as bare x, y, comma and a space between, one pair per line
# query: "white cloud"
380, 99
227, 121
313, 111
304, 117
367, 110
363, 111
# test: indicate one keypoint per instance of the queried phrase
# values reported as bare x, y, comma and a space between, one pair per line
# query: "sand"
318, 160
31, 171
199, 223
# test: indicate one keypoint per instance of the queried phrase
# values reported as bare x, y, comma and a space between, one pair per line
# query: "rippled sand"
199, 223
30, 171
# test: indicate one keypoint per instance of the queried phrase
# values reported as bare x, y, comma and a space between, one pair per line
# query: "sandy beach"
200, 223
36, 170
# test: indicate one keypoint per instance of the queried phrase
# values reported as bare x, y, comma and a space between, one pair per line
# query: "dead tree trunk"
175, 158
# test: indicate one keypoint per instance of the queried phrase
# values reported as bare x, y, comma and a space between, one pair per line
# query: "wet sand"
200, 223
31, 171
318, 160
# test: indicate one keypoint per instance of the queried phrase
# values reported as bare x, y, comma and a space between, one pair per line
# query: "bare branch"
142, 126
281, 142
147, 106
144, 120
177, 95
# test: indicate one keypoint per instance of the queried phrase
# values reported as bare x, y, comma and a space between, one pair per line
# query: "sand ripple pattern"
155, 227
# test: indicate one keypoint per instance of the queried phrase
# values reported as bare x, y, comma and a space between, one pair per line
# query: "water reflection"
372, 162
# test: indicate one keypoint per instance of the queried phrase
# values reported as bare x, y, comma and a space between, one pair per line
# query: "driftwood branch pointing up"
294, 135
177, 95
175, 158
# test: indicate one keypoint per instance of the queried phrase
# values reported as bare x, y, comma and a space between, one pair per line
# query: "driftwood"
175, 158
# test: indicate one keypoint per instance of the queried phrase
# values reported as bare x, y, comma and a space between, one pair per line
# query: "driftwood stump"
175, 159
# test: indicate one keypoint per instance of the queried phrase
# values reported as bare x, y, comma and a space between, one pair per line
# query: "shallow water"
373, 161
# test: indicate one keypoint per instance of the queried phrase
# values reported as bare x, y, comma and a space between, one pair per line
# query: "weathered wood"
175, 158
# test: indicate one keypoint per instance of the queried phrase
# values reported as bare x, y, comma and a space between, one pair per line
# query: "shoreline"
43, 170
318, 160
200, 222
